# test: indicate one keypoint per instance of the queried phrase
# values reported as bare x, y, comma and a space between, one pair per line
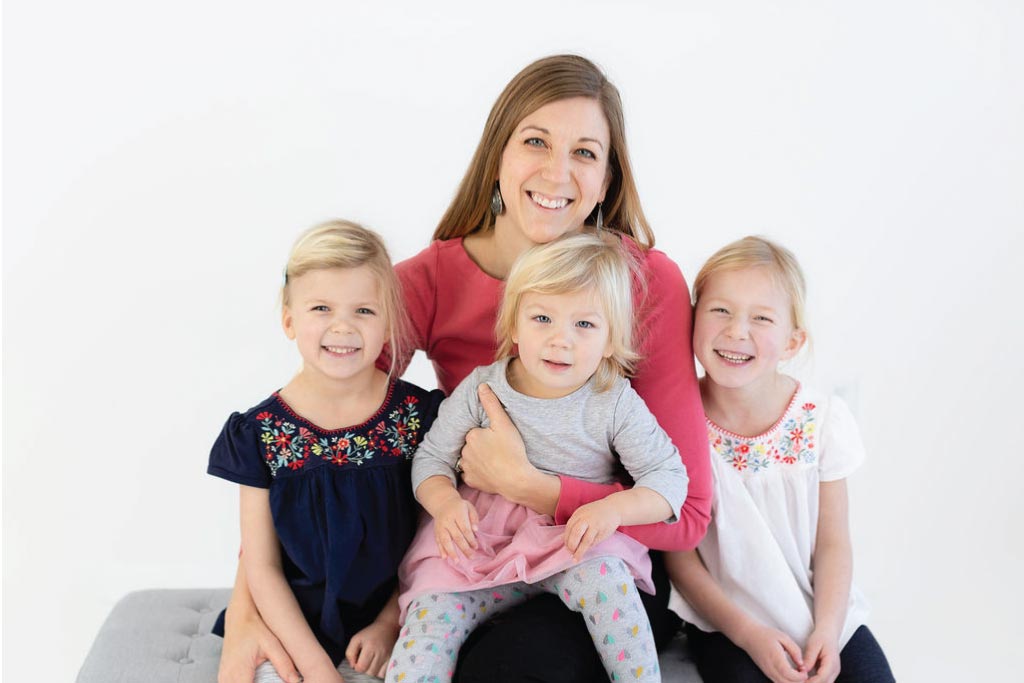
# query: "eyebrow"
548, 132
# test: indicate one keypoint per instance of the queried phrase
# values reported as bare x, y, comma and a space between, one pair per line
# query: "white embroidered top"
760, 542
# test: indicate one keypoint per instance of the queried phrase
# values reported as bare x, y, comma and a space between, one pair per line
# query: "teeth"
547, 202
734, 357
340, 349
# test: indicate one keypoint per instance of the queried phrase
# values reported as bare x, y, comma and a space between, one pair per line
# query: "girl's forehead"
755, 283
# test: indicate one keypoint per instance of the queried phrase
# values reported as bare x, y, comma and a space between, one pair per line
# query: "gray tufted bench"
163, 636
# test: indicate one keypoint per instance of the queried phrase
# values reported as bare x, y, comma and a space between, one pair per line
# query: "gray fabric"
266, 673
158, 636
578, 435
163, 636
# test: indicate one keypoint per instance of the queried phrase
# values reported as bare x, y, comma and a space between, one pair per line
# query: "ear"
606, 184
287, 323
795, 342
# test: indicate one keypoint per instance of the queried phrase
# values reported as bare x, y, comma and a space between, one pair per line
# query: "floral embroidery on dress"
287, 445
790, 442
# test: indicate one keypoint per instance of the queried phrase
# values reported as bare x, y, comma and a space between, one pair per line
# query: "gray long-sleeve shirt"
587, 435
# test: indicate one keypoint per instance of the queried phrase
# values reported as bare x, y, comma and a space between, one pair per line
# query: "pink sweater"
453, 304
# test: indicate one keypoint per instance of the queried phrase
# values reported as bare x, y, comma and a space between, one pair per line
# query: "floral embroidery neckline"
380, 410
395, 436
768, 432
792, 440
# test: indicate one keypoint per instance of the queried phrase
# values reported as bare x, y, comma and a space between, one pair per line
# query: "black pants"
542, 640
720, 661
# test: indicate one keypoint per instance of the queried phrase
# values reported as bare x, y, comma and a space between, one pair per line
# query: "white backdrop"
160, 158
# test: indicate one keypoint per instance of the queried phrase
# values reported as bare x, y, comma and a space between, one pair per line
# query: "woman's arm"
774, 652
261, 558
833, 570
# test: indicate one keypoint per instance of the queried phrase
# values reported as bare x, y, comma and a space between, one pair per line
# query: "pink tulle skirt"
514, 544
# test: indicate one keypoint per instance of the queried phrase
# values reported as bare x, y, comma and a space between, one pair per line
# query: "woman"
552, 160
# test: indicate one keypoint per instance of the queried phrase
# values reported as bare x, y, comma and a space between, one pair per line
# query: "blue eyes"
581, 152
582, 324
362, 310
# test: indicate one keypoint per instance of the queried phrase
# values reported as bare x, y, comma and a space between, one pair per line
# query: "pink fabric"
515, 544
453, 304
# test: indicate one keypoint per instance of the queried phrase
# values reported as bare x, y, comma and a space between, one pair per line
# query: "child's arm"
370, 649
768, 647
650, 458
261, 559
248, 640
455, 518
833, 569
594, 522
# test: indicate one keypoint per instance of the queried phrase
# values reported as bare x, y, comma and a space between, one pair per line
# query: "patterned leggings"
601, 589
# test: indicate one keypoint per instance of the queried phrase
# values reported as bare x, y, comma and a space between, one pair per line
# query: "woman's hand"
494, 457
247, 644
822, 657
455, 525
776, 654
589, 525
494, 461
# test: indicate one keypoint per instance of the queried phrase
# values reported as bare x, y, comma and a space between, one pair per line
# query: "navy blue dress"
341, 500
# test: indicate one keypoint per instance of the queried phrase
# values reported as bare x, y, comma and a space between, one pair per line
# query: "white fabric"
760, 542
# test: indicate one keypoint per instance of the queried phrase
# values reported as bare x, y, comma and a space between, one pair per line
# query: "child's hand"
590, 524
369, 650
776, 654
455, 524
822, 654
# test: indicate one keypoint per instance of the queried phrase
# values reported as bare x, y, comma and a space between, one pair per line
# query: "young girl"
565, 333
324, 463
768, 595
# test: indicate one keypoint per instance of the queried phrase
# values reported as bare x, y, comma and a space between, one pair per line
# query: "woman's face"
554, 170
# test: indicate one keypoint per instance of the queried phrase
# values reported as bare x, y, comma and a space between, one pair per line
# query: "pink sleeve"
667, 382
418, 276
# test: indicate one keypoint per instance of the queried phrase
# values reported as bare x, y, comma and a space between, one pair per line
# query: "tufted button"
184, 660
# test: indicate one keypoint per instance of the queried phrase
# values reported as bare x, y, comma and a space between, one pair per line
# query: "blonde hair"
345, 244
545, 81
758, 252
572, 264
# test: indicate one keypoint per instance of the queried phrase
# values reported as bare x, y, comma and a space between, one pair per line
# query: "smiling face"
562, 339
743, 328
553, 171
336, 319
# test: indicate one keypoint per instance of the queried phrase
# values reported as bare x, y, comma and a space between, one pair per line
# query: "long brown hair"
547, 80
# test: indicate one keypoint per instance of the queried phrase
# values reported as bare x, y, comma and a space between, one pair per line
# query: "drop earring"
497, 206
599, 223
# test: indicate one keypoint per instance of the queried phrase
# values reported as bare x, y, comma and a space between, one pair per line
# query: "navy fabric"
341, 501
718, 659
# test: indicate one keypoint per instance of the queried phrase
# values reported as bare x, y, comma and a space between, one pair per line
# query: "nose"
561, 336
556, 170
341, 325
736, 329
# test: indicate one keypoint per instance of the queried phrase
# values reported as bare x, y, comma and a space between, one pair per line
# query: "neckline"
380, 410
505, 384
768, 432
